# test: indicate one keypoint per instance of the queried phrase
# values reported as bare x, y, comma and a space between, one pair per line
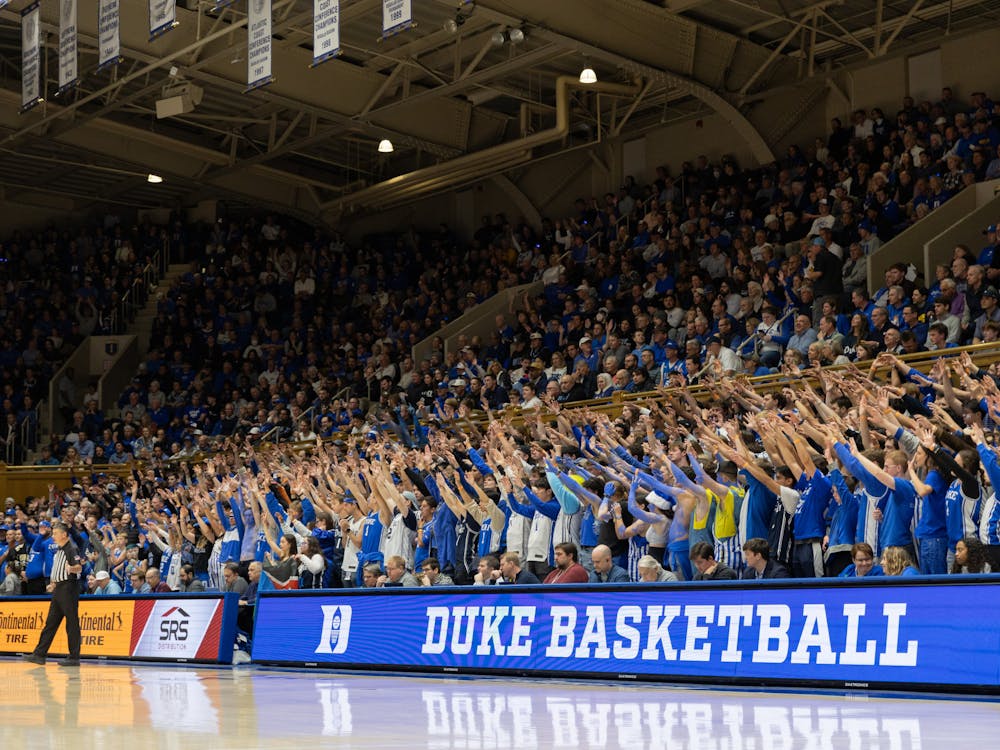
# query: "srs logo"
174, 625
336, 629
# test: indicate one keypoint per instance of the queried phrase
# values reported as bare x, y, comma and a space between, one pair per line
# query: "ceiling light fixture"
154, 178
452, 25
497, 38
385, 146
587, 75
515, 36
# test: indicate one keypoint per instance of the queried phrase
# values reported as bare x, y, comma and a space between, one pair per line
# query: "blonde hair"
895, 560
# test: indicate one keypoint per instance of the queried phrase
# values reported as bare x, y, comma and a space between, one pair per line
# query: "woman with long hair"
970, 557
311, 564
896, 562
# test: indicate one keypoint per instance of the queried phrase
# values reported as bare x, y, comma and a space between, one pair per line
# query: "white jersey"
540, 539
518, 529
567, 527
350, 564
399, 539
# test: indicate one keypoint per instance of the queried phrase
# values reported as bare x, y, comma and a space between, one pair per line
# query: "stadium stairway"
142, 328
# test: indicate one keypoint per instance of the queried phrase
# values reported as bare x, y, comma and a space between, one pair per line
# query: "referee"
65, 588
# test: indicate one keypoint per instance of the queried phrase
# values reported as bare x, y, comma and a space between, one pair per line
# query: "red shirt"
575, 573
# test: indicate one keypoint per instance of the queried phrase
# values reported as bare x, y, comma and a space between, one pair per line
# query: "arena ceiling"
456, 104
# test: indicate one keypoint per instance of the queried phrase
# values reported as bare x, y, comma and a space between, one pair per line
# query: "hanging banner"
162, 17
109, 33
326, 30
31, 92
68, 77
220, 4
258, 43
397, 15
3, 4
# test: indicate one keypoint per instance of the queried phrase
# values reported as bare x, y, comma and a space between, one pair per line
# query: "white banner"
397, 15
258, 43
68, 76
109, 33
220, 4
3, 3
326, 30
162, 17
31, 92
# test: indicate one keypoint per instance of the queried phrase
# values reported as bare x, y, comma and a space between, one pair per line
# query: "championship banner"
326, 30
397, 15
166, 627
258, 44
220, 4
839, 634
3, 4
31, 92
109, 33
68, 65
162, 17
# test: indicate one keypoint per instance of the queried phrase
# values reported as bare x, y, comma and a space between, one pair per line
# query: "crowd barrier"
165, 627
918, 634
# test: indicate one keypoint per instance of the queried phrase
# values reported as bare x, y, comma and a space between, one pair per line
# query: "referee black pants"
65, 605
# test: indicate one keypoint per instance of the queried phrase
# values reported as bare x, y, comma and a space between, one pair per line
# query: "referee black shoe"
33, 658
68, 662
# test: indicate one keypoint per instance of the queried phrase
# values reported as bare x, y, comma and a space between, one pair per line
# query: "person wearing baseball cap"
989, 258
40, 558
105, 585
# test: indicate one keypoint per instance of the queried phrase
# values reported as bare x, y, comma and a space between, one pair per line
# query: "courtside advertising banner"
326, 30
163, 628
31, 92
68, 74
162, 17
843, 635
258, 43
109, 33
397, 15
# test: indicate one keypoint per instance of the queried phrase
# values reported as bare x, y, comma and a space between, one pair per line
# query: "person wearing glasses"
862, 563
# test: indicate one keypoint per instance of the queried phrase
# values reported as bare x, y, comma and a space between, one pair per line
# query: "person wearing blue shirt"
989, 517
843, 517
863, 563
105, 585
896, 562
605, 570
931, 531
896, 508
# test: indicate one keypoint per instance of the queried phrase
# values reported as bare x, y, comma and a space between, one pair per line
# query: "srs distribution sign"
848, 635
169, 627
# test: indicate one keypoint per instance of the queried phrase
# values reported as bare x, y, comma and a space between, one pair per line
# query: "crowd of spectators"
710, 272
59, 286
850, 473
705, 277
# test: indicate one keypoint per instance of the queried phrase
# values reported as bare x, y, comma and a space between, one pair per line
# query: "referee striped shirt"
65, 556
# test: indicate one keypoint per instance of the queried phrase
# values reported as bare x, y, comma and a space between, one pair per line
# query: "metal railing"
135, 297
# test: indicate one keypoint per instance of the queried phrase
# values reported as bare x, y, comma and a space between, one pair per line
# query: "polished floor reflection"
110, 706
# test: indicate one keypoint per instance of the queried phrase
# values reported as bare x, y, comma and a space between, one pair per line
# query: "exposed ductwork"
455, 172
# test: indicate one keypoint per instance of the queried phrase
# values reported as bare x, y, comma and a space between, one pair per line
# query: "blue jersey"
371, 535
755, 513
897, 515
589, 527
815, 493
989, 519
932, 516
843, 515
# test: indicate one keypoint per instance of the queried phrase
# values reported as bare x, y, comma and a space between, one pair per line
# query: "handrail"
29, 436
